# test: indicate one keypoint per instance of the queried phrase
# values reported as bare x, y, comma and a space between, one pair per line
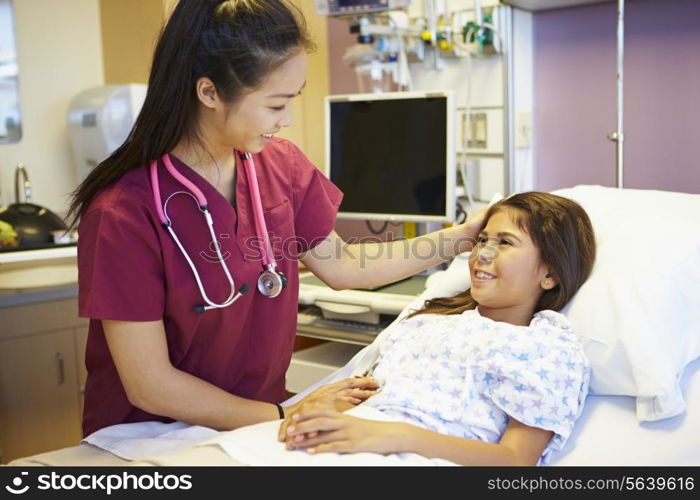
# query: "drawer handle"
61, 374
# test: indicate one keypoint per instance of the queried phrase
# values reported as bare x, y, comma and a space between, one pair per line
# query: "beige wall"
66, 46
59, 54
308, 130
130, 29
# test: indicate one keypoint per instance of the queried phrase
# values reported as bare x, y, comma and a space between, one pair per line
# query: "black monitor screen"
389, 156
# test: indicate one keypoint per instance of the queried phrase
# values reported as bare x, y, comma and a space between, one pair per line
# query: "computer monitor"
393, 155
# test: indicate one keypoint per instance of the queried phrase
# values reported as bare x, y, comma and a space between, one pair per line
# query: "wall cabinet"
42, 373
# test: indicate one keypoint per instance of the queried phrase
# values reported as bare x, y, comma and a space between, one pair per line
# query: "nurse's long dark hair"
235, 43
563, 233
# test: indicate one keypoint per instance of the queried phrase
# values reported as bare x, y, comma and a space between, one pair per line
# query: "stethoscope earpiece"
200, 308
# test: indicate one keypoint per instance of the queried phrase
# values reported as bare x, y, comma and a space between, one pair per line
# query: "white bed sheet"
607, 434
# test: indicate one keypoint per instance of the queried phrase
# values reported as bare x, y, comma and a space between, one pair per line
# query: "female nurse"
222, 81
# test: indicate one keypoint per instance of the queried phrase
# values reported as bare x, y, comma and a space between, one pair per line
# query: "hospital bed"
638, 314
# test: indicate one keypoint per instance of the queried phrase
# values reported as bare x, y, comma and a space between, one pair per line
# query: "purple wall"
575, 95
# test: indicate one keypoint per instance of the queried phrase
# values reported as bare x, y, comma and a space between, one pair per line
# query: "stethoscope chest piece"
271, 283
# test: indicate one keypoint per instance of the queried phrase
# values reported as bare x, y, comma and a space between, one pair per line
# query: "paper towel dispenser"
99, 120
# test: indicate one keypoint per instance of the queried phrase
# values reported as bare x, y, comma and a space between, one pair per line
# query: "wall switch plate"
523, 129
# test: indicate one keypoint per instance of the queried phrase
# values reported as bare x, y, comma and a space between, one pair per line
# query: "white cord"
463, 162
404, 72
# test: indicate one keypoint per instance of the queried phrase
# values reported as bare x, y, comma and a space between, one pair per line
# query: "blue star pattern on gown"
467, 376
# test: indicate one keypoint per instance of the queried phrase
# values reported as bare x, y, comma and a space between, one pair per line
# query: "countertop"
29, 276
60, 252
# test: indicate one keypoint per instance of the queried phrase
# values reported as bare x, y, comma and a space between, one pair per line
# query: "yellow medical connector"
445, 45
409, 230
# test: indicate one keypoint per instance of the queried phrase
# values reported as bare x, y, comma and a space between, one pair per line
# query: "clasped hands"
317, 423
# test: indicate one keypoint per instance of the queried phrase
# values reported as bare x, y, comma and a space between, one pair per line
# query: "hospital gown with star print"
465, 375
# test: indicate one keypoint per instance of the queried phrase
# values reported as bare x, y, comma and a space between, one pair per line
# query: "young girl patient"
492, 376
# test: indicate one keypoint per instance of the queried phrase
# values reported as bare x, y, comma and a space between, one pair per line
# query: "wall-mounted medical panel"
484, 133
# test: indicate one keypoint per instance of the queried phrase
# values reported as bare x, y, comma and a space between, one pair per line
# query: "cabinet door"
81, 335
39, 400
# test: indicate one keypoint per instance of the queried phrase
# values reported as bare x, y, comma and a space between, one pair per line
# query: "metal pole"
509, 186
618, 136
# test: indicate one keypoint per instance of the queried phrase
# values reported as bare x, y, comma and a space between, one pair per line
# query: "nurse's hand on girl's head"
475, 223
338, 396
477, 220
470, 231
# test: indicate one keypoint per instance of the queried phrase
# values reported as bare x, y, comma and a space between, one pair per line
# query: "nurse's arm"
364, 265
152, 383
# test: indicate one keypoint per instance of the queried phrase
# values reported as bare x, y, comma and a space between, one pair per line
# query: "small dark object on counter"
32, 223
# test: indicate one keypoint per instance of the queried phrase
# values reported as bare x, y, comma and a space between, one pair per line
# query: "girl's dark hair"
562, 232
235, 43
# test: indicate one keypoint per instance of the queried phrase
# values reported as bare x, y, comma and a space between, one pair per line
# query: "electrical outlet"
523, 129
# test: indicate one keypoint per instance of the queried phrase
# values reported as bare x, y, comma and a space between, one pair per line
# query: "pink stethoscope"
270, 282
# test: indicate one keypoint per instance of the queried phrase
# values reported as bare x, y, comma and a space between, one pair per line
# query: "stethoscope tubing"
202, 203
260, 225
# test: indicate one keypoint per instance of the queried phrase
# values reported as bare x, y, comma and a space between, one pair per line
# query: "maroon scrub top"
130, 269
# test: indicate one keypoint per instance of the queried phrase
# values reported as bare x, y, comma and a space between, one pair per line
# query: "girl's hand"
338, 396
325, 430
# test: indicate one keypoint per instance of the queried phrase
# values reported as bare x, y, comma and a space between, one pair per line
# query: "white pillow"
639, 312
640, 309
